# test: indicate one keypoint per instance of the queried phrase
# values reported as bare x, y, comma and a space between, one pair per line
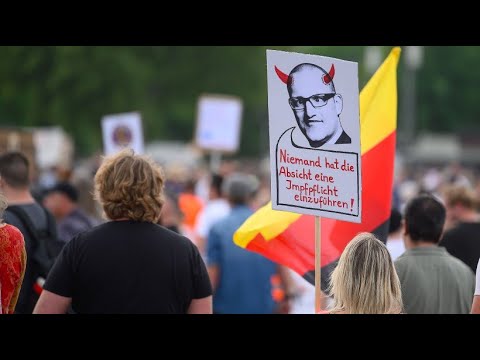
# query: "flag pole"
318, 266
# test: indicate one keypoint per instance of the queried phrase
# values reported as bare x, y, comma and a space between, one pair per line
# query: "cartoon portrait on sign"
315, 104
314, 135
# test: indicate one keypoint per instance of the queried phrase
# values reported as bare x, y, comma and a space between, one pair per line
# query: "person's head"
3, 206
395, 223
460, 202
238, 188
189, 186
364, 280
315, 103
171, 216
14, 170
215, 190
424, 220
130, 186
61, 199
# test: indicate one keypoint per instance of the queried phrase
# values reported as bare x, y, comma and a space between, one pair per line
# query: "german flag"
288, 238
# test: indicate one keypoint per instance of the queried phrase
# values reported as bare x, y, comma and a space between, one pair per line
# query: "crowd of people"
134, 239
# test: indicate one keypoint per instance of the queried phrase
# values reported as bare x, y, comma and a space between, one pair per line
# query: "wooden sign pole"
318, 265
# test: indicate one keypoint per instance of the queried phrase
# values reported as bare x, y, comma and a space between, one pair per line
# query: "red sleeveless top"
13, 259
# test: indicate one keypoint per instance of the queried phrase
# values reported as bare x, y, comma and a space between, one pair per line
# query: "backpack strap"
52, 248
26, 221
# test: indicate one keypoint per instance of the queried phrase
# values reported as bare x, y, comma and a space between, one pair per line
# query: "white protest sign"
218, 123
314, 127
121, 131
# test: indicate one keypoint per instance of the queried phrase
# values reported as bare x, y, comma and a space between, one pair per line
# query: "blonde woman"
128, 264
13, 260
365, 280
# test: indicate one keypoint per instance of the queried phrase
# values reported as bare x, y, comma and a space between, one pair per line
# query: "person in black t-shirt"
128, 264
462, 239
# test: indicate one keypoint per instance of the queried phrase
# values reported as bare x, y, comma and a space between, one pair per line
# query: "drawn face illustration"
122, 136
315, 104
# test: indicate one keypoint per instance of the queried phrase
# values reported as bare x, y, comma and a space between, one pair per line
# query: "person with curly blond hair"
13, 261
128, 264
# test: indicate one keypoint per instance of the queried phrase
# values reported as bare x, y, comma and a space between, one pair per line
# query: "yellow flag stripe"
270, 223
378, 100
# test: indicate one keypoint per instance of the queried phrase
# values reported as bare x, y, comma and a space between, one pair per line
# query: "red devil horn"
329, 77
281, 75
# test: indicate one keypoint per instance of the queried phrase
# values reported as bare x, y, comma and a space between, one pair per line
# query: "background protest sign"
314, 133
218, 123
121, 131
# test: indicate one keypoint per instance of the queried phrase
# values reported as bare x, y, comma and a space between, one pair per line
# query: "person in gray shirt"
432, 280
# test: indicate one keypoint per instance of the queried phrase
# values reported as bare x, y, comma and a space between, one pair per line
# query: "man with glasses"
316, 106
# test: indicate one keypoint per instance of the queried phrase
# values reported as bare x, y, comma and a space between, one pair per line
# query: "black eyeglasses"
318, 100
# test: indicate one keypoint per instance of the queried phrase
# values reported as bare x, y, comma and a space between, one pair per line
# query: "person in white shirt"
395, 244
215, 209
